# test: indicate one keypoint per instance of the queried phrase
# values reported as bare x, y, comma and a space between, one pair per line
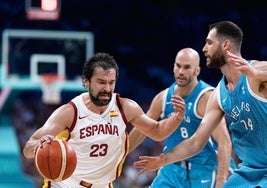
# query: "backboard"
26, 54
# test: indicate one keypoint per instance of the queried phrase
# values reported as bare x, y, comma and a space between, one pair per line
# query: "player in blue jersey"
242, 95
202, 170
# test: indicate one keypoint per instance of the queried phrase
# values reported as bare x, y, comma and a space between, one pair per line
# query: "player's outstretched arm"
156, 130
190, 146
136, 137
59, 120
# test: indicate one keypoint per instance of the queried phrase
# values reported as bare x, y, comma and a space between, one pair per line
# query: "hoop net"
51, 88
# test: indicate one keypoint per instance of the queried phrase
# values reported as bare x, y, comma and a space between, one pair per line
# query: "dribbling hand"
42, 140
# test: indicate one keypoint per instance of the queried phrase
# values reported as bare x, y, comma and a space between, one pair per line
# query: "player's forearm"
182, 151
168, 126
261, 70
224, 157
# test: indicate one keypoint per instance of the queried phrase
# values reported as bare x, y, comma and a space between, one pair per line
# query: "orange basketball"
55, 161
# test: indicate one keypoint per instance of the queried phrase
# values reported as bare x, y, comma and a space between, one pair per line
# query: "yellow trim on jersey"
64, 135
45, 183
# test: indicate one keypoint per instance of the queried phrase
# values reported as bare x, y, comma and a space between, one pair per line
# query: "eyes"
103, 82
186, 67
208, 41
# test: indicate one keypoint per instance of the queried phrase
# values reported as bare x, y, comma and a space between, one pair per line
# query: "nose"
181, 71
204, 49
107, 87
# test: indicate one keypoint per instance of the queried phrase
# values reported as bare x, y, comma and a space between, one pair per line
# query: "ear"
85, 82
226, 45
173, 69
198, 70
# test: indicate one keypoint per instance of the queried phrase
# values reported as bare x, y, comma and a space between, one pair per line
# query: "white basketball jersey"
100, 141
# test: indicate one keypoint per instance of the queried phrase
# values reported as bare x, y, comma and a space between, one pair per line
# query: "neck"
232, 76
92, 107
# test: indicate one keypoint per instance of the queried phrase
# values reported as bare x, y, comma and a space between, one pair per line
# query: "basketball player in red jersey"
96, 122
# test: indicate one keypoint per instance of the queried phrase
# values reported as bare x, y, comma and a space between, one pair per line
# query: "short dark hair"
103, 60
228, 29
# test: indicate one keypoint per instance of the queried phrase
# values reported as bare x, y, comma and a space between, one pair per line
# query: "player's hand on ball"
42, 140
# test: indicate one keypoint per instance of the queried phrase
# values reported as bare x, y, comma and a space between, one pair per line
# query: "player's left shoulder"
127, 103
131, 109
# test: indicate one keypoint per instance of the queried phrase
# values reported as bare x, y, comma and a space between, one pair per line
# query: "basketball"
55, 161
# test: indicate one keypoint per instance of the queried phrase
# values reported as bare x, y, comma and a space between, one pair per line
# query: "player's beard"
217, 60
186, 82
99, 102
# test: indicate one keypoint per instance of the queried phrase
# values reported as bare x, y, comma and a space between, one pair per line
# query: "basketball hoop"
51, 87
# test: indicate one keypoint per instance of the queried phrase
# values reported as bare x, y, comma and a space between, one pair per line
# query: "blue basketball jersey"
189, 124
248, 127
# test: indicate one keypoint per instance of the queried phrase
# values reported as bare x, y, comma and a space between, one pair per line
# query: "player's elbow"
196, 144
157, 134
158, 138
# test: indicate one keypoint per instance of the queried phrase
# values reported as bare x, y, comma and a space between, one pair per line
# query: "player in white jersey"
96, 122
